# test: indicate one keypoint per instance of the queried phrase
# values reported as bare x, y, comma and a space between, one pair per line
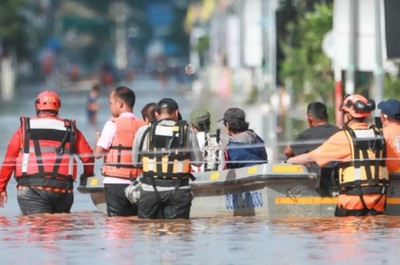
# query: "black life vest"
166, 155
367, 167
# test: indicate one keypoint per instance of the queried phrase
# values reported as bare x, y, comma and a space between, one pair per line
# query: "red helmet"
358, 106
48, 100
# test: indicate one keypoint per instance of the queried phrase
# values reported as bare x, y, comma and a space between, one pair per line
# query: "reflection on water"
95, 238
90, 237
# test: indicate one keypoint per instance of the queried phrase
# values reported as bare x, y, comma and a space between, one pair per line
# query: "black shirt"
312, 138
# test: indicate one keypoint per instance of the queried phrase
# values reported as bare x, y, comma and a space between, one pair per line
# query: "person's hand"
82, 180
3, 198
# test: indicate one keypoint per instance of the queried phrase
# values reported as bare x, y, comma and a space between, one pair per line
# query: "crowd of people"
158, 153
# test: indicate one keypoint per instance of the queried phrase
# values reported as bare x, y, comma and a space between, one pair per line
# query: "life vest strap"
120, 147
119, 165
160, 175
165, 182
362, 183
45, 182
126, 178
364, 190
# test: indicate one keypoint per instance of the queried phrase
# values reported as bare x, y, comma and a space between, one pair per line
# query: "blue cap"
390, 108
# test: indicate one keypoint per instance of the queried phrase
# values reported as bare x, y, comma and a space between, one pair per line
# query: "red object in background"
74, 72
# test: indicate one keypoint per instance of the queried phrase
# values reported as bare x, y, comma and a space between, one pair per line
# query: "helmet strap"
347, 122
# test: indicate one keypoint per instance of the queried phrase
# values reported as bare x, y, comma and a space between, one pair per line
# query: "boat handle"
291, 195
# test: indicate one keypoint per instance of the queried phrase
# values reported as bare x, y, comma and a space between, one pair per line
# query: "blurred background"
271, 57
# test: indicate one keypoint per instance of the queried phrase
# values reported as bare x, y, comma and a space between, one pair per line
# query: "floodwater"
87, 236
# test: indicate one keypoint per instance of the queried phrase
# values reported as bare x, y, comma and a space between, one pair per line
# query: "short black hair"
237, 125
317, 110
126, 94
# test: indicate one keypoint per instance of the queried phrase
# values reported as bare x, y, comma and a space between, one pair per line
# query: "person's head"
47, 102
96, 88
356, 107
149, 112
390, 111
200, 120
235, 120
122, 99
316, 114
167, 108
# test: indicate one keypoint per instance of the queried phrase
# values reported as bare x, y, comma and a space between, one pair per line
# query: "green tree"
13, 27
305, 65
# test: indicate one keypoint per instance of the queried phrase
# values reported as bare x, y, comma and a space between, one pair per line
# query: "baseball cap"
169, 103
232, 114
390, 108
199, 115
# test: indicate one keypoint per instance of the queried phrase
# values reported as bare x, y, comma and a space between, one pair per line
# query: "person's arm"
300, 159
336, 148
136, 146
105, 139
85, 153
8, 166
196, 156
99, 152
221, 155
10, 157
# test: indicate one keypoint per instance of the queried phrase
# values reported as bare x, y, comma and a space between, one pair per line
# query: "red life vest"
47, 153
118, 161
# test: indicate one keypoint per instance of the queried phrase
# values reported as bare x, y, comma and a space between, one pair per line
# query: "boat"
266, 190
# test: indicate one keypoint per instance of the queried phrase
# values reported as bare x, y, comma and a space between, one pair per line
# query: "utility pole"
379, 71
120, 12
350, 74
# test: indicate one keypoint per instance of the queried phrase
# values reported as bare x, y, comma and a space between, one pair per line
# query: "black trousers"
117, 203
168, 204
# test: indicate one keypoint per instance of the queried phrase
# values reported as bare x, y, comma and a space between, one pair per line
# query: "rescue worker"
210, 144
390, 116
166, 149
41, 155
360, 152
245, 147
114, 145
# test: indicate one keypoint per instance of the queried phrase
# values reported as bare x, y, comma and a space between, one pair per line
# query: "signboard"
364, 41
253, 52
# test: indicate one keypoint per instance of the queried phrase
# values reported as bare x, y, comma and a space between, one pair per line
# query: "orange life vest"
47, 153
118, 161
